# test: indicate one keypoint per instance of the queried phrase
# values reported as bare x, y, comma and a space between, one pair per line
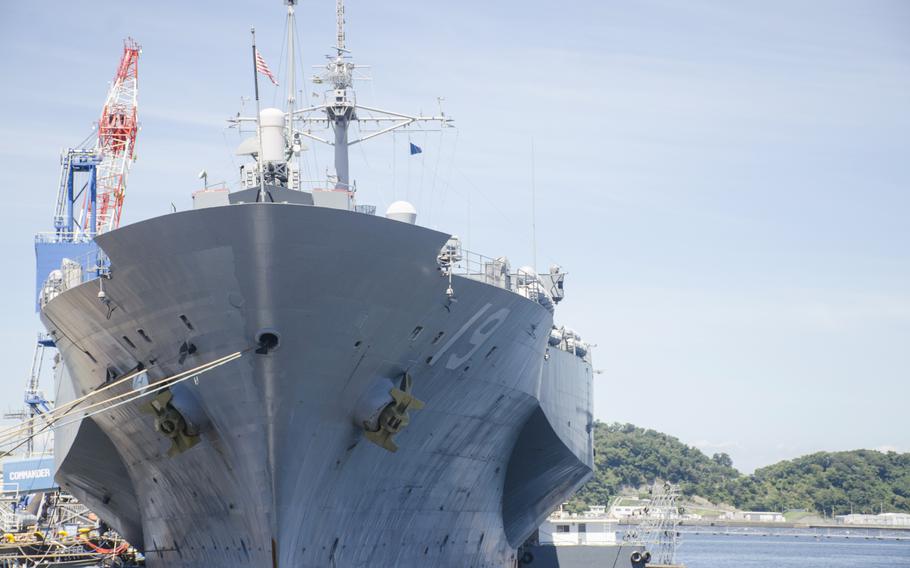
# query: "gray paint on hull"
282, 468
541, 472
99, 479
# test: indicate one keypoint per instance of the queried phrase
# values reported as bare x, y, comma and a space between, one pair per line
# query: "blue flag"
415, 149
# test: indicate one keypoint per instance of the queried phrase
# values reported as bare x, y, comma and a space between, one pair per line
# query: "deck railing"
545, 289
476, 266
63, 237
72, 272
493, 271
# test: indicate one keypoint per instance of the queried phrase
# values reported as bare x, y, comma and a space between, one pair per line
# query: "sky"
727, 183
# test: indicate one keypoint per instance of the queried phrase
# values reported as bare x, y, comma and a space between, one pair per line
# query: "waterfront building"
754, 516
883, 519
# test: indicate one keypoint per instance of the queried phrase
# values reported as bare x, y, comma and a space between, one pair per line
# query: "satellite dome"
271, 117
402, 211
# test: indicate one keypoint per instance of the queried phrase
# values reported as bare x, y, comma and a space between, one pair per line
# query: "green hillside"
627, 456
826, 482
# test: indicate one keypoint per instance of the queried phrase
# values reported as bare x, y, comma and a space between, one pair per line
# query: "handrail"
327, 185
73, 272
495, 272
64, 237
544, 289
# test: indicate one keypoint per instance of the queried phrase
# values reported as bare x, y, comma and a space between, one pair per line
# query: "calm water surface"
817, 550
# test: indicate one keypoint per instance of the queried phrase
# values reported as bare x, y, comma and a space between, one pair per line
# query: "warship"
281, 377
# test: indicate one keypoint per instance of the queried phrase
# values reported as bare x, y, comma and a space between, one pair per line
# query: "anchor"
170, 422
394, 416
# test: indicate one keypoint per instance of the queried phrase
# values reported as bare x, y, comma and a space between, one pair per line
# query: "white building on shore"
754, 516
883, 520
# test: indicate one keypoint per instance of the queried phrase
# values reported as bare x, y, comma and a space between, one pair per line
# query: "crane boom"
117, 131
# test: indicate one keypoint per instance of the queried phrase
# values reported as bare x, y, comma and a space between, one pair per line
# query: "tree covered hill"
627, 456
862, 481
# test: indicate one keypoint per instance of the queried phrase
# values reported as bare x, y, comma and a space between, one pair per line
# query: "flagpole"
260, 197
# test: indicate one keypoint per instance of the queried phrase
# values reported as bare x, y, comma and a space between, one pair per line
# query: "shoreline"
769, 525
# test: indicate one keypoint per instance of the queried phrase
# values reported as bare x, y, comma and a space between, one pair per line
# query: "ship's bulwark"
282, 475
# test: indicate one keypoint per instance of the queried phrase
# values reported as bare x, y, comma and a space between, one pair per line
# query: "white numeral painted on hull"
481, 333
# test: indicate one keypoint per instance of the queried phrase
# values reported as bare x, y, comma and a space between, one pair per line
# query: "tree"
722, 459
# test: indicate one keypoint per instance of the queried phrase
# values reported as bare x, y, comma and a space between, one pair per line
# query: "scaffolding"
658, 531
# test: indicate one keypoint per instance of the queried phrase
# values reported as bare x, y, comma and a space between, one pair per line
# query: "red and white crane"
117, 131
95, 208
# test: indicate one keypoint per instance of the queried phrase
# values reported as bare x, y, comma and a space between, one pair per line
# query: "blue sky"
726, 182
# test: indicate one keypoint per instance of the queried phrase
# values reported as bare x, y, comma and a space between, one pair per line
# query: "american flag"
264, 69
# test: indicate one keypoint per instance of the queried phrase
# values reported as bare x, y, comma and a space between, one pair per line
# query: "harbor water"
817, 550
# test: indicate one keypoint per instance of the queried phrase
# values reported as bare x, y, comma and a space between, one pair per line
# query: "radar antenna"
339, 107
339, 22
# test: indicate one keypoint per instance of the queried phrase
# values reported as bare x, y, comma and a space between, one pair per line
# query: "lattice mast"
117, 132
340, 106
338, 109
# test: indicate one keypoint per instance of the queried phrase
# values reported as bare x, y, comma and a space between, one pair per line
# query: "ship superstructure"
280, 377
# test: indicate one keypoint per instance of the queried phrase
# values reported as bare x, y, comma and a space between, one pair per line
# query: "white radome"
272, 126
402, 211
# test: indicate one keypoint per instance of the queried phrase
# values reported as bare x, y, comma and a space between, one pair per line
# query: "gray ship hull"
282, 474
